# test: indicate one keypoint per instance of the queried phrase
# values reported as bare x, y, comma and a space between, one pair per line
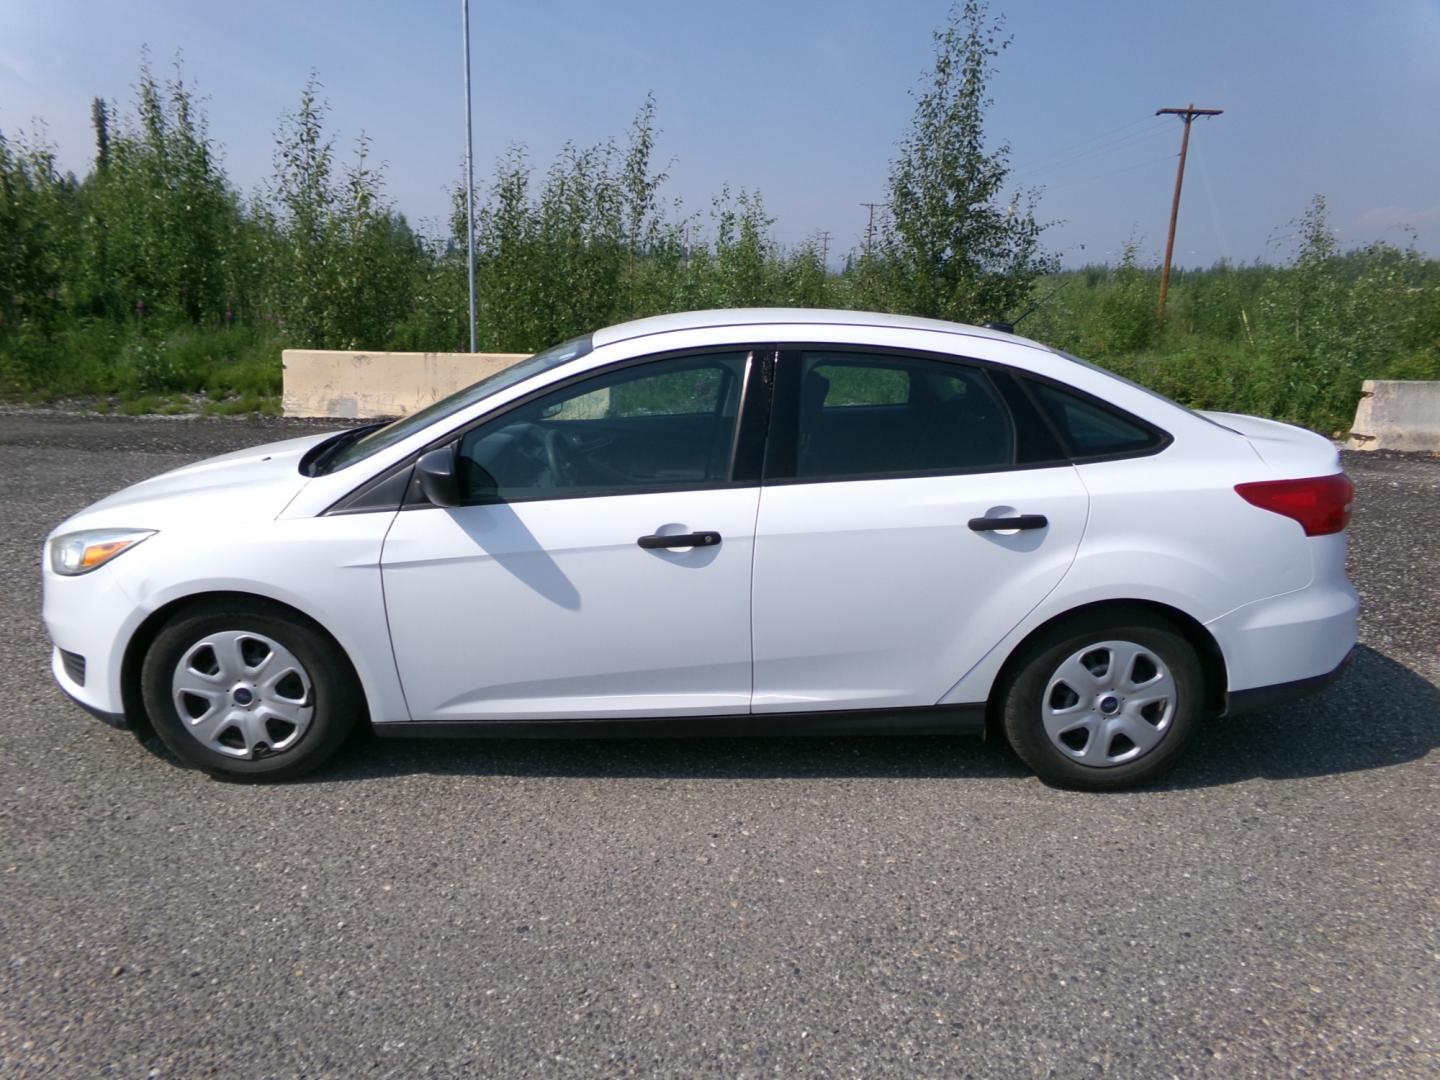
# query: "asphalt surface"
840, 907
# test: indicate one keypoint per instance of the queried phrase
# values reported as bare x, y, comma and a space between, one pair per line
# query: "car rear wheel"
245, 690
1102, 702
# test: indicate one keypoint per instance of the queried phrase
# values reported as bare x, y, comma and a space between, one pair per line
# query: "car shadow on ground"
796, 758
1380, 714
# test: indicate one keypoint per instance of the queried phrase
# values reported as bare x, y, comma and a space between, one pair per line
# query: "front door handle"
1021, 521
680, 540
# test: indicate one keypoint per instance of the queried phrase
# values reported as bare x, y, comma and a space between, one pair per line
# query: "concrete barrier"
1397, 415
356, 385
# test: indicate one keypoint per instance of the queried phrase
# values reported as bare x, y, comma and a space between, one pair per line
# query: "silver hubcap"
1109, 703
242, 694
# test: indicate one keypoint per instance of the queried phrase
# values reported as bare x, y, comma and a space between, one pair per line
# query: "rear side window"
1091, 429
863, 415
856, 385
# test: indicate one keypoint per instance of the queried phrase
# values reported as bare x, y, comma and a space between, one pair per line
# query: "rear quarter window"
1091, 429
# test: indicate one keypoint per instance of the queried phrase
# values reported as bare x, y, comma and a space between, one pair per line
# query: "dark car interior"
859, 416
862, 418
652, 431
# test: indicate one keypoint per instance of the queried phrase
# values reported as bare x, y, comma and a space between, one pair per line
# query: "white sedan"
726, 522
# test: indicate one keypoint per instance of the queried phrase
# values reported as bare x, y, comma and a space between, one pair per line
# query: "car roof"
724, 317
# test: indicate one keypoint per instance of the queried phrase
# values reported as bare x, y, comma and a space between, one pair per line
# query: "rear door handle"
1021, 521
680, 540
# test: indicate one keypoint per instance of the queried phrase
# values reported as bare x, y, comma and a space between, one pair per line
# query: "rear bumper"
1265, 697
1295, 638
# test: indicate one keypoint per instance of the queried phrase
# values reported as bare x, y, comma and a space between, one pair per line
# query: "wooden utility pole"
824, 237
1186, 114
870, 224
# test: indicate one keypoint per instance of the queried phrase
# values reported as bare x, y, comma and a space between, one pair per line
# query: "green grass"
139, 406
138, 370
96, 357
251, 403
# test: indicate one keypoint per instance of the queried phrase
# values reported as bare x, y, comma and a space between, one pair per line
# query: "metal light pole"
469, 176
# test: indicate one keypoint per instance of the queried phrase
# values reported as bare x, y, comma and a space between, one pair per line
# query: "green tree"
160, 217
343, 265
589, 245
742, 271
951, 246
1126, 311
37, 235
1332, 319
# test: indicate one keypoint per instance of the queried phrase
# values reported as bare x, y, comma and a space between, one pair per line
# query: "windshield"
379, 438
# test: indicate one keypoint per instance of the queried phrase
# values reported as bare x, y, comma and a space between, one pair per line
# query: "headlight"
81, 552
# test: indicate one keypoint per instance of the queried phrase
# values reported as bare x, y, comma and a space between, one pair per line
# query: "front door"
601, 566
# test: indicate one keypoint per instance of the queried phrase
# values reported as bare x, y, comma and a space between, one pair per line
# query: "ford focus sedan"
726, 522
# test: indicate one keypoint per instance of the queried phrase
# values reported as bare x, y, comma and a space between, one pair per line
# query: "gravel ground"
838, 907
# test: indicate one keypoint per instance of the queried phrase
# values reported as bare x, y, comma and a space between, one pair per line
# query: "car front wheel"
245, 690
1102, 703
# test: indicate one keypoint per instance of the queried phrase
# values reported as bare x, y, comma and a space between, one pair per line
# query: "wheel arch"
132, 697
1212, 660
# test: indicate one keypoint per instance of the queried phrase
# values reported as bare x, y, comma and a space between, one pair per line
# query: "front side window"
665, 425
866, 415
378, 438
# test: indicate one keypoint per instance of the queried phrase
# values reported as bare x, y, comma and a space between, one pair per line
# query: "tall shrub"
344, 266
161, 220
952, 246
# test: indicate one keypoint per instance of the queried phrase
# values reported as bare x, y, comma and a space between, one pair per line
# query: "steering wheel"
561, 457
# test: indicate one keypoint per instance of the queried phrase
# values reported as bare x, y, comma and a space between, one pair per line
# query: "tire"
246, 690
1104, 702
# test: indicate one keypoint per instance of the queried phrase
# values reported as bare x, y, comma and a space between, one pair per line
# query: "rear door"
880, 577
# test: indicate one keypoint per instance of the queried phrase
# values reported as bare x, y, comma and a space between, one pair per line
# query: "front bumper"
66, 682
90, 617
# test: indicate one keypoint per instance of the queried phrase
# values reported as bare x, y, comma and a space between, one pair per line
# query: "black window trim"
763, 405
384, 492
1162, 438
748, 445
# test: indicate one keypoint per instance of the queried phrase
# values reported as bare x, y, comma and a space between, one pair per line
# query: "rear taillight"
1321, 504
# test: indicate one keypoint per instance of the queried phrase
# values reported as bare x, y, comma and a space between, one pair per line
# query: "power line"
1103, 150
1110, 131
1092, 147
1061, 160
1108, 173
1083, 145
1214, 205
1057, 169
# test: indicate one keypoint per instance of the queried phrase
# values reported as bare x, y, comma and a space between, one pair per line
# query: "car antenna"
1008, 326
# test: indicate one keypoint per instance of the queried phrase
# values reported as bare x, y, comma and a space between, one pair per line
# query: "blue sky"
805, 100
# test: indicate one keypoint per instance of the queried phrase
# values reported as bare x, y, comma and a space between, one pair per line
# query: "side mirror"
436, 473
